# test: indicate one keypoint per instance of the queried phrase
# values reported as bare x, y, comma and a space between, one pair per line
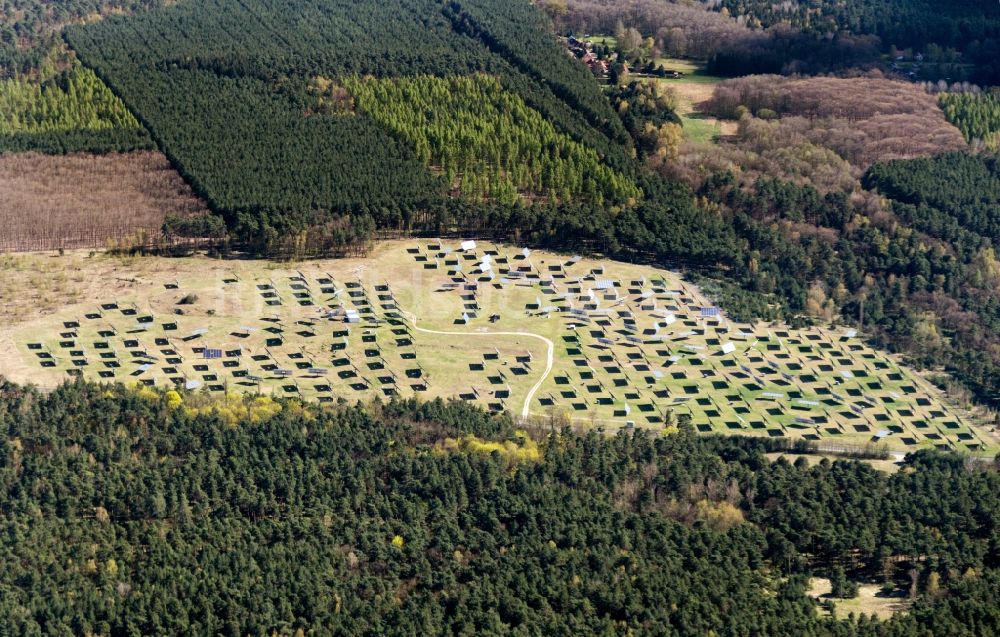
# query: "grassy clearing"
692, 89
634, 344
606, 40
693, 71
869, 601
888, 466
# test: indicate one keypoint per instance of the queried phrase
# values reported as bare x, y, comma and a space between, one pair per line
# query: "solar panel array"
645, 348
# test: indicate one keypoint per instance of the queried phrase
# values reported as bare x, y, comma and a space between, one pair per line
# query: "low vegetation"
652, 366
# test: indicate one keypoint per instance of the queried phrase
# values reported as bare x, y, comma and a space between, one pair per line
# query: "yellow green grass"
818, 384
606, 40
693, 88
869, 600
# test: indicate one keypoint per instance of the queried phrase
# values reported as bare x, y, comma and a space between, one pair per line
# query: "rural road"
897, 456
549, 357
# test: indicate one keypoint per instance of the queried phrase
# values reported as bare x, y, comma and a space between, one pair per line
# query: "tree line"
741, 37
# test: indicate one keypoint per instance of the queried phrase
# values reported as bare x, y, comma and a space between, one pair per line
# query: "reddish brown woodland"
88, 201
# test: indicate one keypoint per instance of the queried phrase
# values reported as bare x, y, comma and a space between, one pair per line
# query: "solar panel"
211, 353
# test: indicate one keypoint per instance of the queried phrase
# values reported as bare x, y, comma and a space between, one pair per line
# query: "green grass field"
633, 345
606, 40
693, 71
692, 88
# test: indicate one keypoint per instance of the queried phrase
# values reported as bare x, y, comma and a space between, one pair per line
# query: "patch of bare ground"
88, 201
869, 601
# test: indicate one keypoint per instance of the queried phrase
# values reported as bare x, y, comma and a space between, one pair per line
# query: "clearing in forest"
632, 345
693, 88
870, 600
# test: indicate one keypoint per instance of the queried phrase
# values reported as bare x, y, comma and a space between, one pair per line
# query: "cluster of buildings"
584, 51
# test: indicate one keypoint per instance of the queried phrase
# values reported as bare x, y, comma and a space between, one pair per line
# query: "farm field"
631, 345
84, 200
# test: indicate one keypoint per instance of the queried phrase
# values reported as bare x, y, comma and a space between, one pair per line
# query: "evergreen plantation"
304, 128
472, 129
69, 109
977, 115
77, 99
224, 88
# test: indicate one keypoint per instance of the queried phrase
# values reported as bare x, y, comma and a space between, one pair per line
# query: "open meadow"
630, 346
692, 89
869, 601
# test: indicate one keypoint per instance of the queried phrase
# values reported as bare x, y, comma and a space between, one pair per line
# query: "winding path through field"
549, 357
